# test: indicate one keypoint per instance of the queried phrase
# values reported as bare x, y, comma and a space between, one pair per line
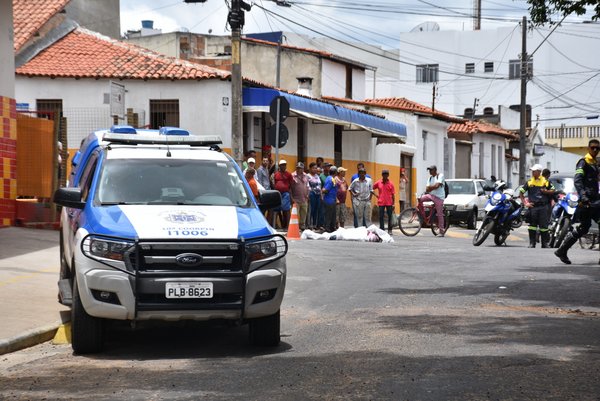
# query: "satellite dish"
428, 26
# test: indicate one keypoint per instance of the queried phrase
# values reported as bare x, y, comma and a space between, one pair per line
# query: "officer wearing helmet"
539, 192
586, 182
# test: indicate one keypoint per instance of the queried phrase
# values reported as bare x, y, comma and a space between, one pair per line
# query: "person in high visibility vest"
539, 193
586, 178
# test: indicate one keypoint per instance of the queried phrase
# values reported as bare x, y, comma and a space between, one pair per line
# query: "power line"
366, 50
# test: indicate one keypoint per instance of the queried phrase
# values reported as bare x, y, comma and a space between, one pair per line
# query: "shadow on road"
181, 340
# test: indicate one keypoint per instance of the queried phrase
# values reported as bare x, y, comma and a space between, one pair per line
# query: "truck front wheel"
265, 330
87, 332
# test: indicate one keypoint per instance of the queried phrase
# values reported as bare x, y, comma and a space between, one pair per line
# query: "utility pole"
476, 15
523, 129
433, 98
562, 133
278, 74
236, 22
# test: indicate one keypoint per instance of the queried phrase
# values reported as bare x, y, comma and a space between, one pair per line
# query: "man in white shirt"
434, 192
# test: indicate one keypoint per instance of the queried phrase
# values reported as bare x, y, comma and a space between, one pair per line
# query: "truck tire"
265, 331
87, 332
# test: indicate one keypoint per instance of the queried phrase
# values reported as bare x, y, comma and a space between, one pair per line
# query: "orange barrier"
293, 227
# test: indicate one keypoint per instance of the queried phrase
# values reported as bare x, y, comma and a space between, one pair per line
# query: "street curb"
29, 338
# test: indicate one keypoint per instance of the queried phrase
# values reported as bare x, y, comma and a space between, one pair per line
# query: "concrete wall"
482, 163
259, 62
166, 44
8, 118
334, 79
7, 66
201, 108
97, 15
386, 62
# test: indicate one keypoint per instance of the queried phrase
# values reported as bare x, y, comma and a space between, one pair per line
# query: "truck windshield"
172, 182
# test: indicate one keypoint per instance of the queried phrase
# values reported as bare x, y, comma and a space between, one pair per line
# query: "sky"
376, 22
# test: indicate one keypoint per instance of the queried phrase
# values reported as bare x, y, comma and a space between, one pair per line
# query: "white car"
465, 201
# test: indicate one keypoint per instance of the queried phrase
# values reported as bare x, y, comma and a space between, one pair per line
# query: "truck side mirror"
68, 197
269, 199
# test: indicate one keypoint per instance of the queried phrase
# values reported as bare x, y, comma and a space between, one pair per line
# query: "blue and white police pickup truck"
160, 224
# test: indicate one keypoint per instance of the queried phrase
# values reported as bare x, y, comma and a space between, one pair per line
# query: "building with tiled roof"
86, 54
308, 71
461, 148
78, 75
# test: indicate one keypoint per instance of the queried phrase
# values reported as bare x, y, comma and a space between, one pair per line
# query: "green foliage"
551, 11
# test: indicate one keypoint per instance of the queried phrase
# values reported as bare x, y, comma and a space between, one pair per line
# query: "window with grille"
514, 69
469, 68
427, 73
488, 66
49, 108
164, 113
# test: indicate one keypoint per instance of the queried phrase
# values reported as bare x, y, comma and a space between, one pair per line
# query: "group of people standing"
320, 193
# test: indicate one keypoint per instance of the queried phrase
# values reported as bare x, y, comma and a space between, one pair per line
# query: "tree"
541, 11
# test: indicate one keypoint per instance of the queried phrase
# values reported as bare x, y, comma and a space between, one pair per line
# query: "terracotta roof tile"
474, 127
86, 54
401, 103
30, 15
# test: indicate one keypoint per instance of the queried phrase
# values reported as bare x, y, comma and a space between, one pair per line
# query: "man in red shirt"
385, 198
249, 174
283, 181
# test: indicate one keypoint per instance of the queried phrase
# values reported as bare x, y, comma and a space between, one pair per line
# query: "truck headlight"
259, 253
105, 248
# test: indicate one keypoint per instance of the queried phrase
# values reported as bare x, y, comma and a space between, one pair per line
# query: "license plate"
189, 290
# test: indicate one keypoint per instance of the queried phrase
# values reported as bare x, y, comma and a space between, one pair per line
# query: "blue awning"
259, 99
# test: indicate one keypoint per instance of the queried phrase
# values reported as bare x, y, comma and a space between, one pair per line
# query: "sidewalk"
29, 267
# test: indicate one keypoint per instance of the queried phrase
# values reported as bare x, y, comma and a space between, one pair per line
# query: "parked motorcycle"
502, 211
563, 215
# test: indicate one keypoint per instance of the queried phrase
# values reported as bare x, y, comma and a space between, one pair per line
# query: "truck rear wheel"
87, 332
265, 330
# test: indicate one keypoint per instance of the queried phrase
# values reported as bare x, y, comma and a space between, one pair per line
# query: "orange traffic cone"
293, 228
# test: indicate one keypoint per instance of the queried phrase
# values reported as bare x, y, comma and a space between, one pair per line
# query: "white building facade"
478, 71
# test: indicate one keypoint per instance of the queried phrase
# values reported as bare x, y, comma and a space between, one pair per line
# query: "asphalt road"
423, 318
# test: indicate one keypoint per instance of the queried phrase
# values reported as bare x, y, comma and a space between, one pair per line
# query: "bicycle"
410, 221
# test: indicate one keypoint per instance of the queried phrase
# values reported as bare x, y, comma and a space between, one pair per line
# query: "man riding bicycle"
434, 192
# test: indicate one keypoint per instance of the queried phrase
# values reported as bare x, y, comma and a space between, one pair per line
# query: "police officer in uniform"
586, 182
539, 191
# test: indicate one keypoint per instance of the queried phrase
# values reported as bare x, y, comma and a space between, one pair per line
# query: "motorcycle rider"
539, 192
586, 182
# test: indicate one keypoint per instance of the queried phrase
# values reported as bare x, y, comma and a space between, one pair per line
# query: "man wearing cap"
539, 192
251, 155
251, 163
283, 182
586, 178
330, 199
300, 192
385, 198
434, 192
361, 190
